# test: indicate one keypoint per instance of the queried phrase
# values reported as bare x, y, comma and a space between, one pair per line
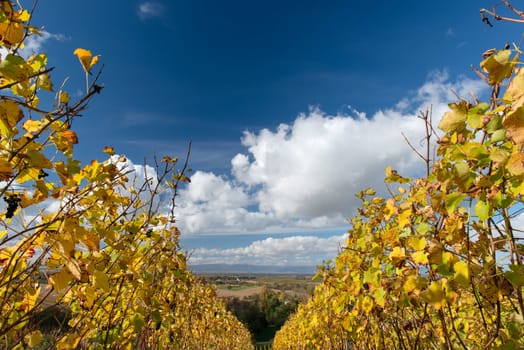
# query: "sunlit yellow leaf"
516, 164
11, 33
397, 255
420, 257
10, 115
70, 136
417, 243
380, 296
461, 273
434, 294
414, 283
32, 125
516, 87
499, 66
28, 175
86, 59
109, 150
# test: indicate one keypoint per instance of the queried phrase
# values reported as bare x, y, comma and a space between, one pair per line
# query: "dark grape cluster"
12, 201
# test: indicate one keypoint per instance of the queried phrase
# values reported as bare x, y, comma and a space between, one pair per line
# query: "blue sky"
292, 106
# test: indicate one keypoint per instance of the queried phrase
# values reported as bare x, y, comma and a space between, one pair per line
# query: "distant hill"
252, 269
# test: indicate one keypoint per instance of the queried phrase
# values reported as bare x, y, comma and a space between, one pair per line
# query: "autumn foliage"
88, 237
438, 263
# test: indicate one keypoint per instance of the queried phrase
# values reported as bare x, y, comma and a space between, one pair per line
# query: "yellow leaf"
10, 115
90, 296
380, 296
61, 279
32, 125
6, 170
397, 255
100, 280
417, 243
68, 342
11, 33
514, 125
420, 257
109, 150
516, 87
74, 268
434, 294
70, 136
366, 304
414, 283
33, 339
94, 60
461, 273
27, 175
86, 59
516, 164
455, 120
64, 97
499, 66
24, 15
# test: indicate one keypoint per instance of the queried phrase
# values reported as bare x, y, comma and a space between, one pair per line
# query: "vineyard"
438, 263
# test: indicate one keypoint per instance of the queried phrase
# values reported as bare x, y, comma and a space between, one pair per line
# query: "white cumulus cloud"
305, 175
292, 251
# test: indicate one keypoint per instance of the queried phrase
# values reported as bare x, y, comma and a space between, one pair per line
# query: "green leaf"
515, 275
474, 120
497, 136
482, 210
14, 67
453, 200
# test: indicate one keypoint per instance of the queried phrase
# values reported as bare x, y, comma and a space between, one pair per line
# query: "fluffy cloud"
34, 43
291, 251
305, 175
148, 10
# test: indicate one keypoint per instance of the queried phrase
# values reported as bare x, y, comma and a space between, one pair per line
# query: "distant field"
242, 293
242, 286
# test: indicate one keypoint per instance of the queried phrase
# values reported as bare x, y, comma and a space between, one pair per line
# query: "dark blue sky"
208, 70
